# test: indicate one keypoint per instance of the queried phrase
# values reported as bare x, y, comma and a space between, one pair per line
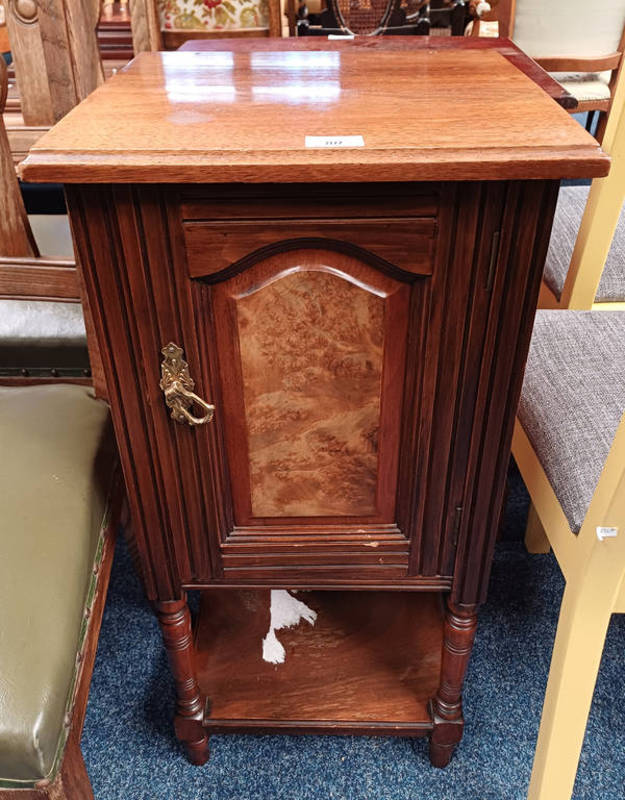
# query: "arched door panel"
311, 353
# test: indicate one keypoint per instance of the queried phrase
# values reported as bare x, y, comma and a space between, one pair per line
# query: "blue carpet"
131, 752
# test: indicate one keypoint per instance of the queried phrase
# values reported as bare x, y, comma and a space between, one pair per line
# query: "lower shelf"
370, 663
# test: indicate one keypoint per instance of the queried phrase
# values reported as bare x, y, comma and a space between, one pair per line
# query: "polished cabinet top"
373, 114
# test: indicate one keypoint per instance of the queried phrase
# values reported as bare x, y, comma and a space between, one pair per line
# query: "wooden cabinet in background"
339, 336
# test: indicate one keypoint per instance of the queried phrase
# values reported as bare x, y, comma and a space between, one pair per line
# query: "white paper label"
333, 36
606, 533
335, 141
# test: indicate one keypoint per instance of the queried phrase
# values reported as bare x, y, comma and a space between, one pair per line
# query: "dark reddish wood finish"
449, 393
364, 667
404, 243
175, 621
468, 327
186, 203
460, 628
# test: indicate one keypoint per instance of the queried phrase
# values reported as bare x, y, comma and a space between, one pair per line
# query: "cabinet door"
305, 337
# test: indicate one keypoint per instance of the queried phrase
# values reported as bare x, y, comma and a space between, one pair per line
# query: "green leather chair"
61, 499
60, 504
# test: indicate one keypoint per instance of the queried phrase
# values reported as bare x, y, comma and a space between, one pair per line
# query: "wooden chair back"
24, 275
560, 35
569, 39
365, 17
55, 54
16, 237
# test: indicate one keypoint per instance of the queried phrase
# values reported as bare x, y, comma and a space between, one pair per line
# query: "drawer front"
381, 200
405, 244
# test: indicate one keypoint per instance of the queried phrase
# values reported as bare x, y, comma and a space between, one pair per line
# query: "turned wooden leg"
175, 622
460, 627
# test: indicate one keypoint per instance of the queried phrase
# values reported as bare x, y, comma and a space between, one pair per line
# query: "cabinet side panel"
480, 213
525, 235
96, 218
433, 401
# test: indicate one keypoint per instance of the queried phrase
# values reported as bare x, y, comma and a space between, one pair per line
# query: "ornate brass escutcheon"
177, 386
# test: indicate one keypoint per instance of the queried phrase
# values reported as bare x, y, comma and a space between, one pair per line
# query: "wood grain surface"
451, 402
453, 380
33, 278
449, 361
455, 114
502, 45
311, 356
311, 342
365, 666
30, 65
212, 247
70, 48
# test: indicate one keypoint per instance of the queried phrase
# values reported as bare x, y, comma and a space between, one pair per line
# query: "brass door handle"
177, 386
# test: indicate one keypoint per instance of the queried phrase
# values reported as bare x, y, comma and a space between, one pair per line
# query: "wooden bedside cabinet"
313, 358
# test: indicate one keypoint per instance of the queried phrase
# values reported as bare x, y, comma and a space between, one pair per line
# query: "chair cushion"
52, 234
573, 399
42, 335
547, 29
55, 470
568, 217
585, 85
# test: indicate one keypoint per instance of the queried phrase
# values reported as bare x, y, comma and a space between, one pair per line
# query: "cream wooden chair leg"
536, 540
587, 605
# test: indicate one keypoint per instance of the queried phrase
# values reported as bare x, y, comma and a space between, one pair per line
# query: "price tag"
604, 532
335, 141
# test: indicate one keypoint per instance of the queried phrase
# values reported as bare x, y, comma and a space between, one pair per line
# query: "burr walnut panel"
315, 339
312, 395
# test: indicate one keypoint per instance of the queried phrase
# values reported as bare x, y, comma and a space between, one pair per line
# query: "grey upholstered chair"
586, 260
572, 202
569, 444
